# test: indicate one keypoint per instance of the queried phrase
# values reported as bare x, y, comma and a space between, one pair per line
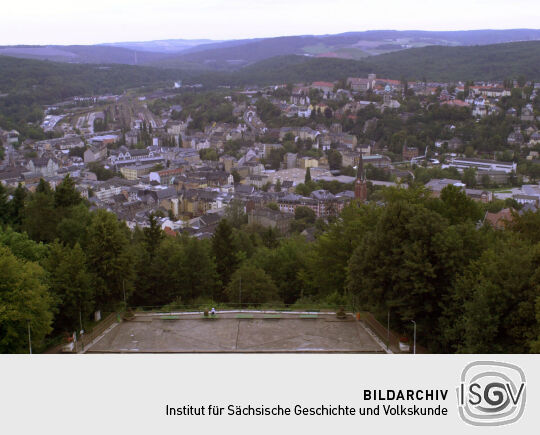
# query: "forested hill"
435, 63
60, 80
485, 62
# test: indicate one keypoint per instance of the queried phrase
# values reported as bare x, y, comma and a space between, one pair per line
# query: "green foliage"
498, 293
109, 258
224, 251
101, 172
24, 303
208, 154
251, 285
307, 178
65, 194
70, 285
235, 213
334, 159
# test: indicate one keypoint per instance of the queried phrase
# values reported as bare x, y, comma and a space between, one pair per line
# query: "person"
213, 311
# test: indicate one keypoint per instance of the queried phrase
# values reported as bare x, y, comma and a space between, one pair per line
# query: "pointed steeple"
360, 185
360, 174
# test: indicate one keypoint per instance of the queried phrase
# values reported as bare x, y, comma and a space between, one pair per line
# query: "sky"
96, 21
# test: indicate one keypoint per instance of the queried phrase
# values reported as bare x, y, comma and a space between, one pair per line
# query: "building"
409, 152
132, 172
42, 167
360, 184
499, 220
481, 165
359, 84
95, 153
269, 218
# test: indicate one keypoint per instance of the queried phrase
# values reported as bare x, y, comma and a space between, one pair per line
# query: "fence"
96, 331
388, 337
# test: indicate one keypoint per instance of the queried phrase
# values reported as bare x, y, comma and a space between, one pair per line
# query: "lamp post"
388, 332
414, 339
240, 293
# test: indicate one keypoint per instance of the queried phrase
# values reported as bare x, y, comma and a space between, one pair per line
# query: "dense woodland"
469, 288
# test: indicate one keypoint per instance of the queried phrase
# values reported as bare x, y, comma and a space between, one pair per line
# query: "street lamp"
414, 339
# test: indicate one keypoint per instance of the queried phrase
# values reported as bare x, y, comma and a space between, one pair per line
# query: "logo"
491, 393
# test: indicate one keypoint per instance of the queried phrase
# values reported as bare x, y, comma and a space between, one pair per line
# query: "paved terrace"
237, 332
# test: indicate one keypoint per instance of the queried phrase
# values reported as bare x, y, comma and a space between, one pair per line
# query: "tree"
16, 206
469, 177
457, 207
24, 303
71, 286
224, 251
395, 266
498, 295
334, 159
307, 178
236, 176
277, 188
153, 235
65, 194
40, 216
4, 205
109, 258
327, 262
235, 213
251, 285
286, 265
198, 270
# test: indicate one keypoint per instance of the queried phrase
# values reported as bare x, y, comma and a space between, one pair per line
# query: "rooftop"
237, 332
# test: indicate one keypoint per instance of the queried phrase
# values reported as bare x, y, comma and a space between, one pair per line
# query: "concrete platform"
231, 333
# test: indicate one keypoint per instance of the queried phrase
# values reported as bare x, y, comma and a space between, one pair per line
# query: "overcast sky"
96, 21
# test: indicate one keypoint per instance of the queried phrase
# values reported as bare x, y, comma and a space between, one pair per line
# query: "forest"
470, 288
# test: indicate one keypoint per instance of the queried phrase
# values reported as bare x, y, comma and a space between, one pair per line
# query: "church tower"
360, 185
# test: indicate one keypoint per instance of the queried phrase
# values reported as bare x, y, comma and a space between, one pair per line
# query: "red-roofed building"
323, 86
499, 220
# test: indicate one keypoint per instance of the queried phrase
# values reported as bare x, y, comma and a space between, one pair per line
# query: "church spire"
360, 185
360, 174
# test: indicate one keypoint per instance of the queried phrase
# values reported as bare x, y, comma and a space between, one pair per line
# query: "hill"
489, 62
234, 54
83, 54
352, 45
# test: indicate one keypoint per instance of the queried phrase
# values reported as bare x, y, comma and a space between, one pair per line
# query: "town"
159, 153
186, 197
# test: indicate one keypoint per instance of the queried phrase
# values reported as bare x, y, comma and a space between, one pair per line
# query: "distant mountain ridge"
234, 54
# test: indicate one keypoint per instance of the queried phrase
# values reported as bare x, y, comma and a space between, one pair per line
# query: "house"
42, 167
377, 161
307, 162
269, 218
409, 152
436, 185
325, 87
527, 115
515, 137
95, 153
358, 84
322, 202
479, 195
166, 176
132, 172
10, 137
499, 220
